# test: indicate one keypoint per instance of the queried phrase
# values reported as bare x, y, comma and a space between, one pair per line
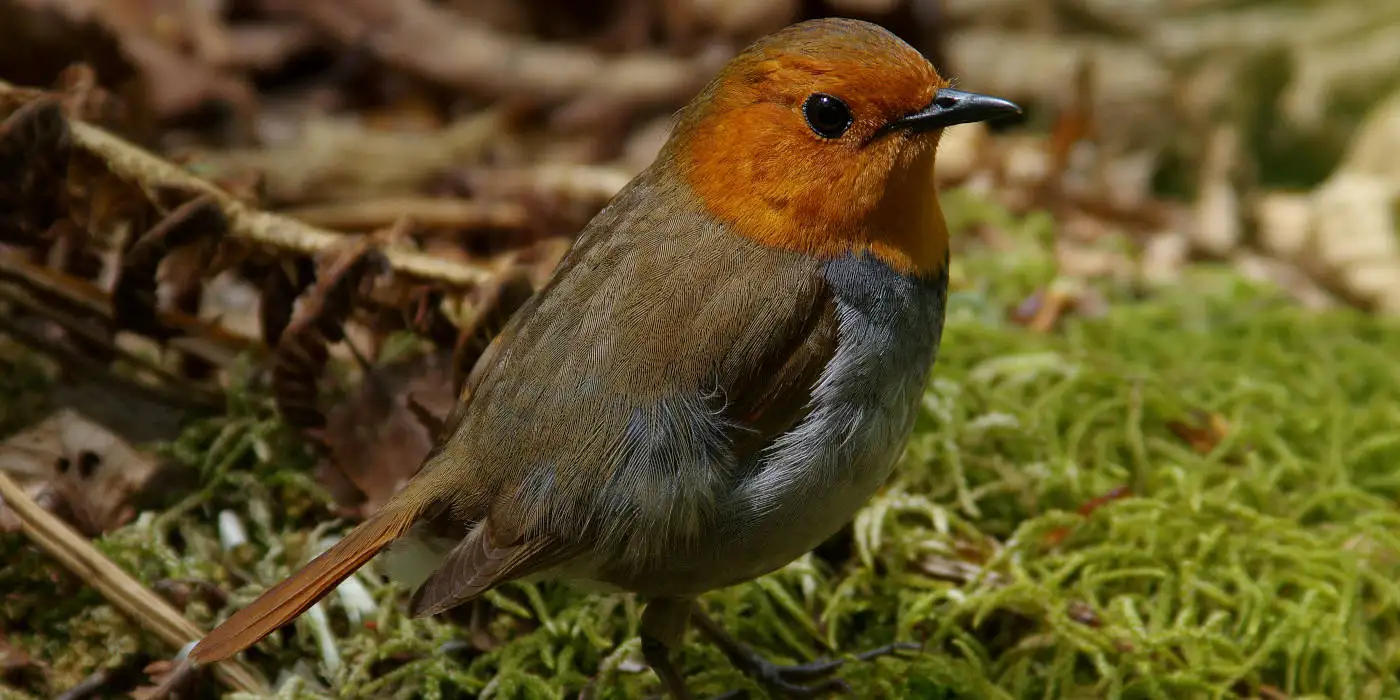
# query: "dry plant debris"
116, 586
295, 227
75, 467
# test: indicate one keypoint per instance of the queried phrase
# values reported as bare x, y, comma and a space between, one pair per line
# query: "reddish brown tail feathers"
285, 601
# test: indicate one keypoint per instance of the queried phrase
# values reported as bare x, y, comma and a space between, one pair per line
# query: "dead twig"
589, 185
173, 389
339, 159
125, 593
468, 54
427, 212
131, 162
203, 339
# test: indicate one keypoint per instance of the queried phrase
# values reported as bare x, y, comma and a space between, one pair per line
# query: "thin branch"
203, 339
138, 165
176, 389
428, 212
83, 365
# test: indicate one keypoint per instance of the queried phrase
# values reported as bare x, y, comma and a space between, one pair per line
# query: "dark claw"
792, 690
887, 650
820, 668
786, 680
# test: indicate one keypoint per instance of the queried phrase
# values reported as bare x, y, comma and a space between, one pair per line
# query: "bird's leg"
784, 680
663, 625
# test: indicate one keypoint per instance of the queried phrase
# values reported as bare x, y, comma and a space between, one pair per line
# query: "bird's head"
821, 138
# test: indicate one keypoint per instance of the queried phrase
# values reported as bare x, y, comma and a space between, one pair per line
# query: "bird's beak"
951, 107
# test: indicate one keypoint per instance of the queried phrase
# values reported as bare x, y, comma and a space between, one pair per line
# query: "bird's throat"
907, 229
887, 206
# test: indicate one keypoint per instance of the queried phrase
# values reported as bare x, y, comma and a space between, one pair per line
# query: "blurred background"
1213, 128
191, 190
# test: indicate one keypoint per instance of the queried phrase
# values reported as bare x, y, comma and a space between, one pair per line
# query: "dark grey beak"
951, 107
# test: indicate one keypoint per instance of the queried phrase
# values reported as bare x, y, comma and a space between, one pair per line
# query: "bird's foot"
809, 680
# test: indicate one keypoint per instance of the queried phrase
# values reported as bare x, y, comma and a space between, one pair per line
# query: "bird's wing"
626, 398
482, 560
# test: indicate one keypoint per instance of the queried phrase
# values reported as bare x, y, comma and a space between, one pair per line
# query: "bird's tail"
285, 601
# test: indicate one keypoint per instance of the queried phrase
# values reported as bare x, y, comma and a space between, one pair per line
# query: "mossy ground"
1271, 560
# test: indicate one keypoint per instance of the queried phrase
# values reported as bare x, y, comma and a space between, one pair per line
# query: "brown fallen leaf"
41, 43
377, 436
78, 469
172, 679
1203, 431
283, 281
1043, 309
1118, 493
373, 440
176, 81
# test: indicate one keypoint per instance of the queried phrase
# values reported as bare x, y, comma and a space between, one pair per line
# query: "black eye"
828, 116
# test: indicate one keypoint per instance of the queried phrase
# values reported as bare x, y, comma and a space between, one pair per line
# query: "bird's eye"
828, 116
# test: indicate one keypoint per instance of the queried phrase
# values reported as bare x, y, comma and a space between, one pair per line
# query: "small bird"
719, 373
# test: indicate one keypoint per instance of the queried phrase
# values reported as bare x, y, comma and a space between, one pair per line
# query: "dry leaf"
377, 437
283, 282
1203, 431
78, 469
34, 146
302, 349
134, 299
1058, 535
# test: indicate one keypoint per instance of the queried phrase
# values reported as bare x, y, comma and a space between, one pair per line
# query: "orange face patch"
759, 164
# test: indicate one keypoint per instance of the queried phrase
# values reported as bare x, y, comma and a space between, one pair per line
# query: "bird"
722, 369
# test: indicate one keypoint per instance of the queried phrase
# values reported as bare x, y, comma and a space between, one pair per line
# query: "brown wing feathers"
480, 563
285, 601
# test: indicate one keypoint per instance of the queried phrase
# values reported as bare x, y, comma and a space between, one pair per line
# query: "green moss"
1268, 561
1271, 560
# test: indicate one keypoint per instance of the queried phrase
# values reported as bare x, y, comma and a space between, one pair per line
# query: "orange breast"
815, 198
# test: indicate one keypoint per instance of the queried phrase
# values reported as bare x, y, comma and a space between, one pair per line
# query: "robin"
720, 372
